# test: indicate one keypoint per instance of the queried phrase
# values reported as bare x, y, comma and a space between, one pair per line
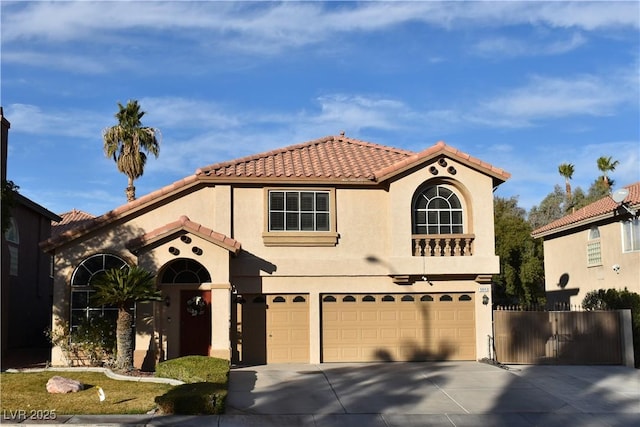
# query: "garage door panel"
368, 315
398, 327
369, 333
287, 329
349, 316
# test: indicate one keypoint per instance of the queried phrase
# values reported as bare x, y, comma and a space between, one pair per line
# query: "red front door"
195, 323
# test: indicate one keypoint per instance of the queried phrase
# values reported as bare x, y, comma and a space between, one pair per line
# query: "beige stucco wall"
567, 255
374, 228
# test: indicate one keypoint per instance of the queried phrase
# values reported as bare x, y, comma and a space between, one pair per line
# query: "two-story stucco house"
595, 247
331, 250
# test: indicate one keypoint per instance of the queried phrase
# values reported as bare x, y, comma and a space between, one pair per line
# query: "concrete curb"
108, 372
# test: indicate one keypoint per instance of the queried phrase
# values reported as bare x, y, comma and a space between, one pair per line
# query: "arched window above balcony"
437, 210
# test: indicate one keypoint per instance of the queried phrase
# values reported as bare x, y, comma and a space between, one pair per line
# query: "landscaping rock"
60, 384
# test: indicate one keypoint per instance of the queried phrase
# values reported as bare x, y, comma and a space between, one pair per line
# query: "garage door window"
446, 298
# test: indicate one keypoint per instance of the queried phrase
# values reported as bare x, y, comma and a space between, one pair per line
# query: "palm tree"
128, 142
567, 170
605, 165
122, 288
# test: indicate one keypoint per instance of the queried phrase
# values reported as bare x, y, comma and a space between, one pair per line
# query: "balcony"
442, 245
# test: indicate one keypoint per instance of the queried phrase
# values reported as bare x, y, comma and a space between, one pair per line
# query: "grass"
27, 391
205, 391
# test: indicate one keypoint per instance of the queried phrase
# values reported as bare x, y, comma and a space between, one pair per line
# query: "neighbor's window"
631, 235
82, 309
13, 242
298, 211
594, 256
437, 210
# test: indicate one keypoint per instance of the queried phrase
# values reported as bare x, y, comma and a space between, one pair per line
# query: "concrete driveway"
434, 393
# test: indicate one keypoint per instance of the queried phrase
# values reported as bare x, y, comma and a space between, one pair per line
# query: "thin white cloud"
186, 113
552, 98
513, 47
37, 120
292, 23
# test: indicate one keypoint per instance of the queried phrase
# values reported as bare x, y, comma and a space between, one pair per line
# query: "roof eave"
120, 212
441, 149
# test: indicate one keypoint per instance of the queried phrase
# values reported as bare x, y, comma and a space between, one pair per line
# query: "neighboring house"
595, 247
331, 250
72, 219
27, 281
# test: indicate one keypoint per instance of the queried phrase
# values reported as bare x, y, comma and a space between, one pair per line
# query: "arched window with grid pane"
437, 210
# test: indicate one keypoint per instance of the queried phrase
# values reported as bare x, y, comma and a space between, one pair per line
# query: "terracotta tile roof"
331, 158
73, 218
590, 213
441, 148
184, 224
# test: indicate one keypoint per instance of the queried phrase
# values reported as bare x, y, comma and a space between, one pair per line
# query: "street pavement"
412, 394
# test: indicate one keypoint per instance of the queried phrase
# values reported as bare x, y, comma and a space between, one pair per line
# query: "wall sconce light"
174, 251
442, 162
452, 170
433, 170
167, 301
196, 250
185, 239
485, 299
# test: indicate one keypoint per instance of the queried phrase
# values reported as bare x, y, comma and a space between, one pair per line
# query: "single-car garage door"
399, 327
274, 328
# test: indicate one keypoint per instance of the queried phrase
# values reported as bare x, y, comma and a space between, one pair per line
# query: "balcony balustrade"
435, 245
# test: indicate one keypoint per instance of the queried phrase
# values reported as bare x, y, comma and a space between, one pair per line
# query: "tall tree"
521, 278
549, 209
122, 288
567, 170
606, 165
128, 142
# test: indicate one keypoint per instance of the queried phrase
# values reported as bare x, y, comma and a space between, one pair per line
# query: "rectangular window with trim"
300, 218
631, 235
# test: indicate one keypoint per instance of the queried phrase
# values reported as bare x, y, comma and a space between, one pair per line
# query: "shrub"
613, 299
205, 390
195, 369
92, 342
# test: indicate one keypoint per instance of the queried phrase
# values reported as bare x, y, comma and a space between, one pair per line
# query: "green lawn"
27, 392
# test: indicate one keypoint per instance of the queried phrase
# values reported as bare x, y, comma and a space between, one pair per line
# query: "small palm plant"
121, 288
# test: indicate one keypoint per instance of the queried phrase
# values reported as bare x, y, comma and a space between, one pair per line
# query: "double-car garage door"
359, 327
399, 327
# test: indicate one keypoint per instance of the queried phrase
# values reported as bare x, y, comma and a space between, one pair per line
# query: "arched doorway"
195, 305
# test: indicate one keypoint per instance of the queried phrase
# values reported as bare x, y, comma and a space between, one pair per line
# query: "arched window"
185, 270
437, 210
82, 309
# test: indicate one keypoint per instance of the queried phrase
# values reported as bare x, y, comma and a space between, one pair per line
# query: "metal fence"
557, 337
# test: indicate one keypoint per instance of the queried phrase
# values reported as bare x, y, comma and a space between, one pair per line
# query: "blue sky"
524, 86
